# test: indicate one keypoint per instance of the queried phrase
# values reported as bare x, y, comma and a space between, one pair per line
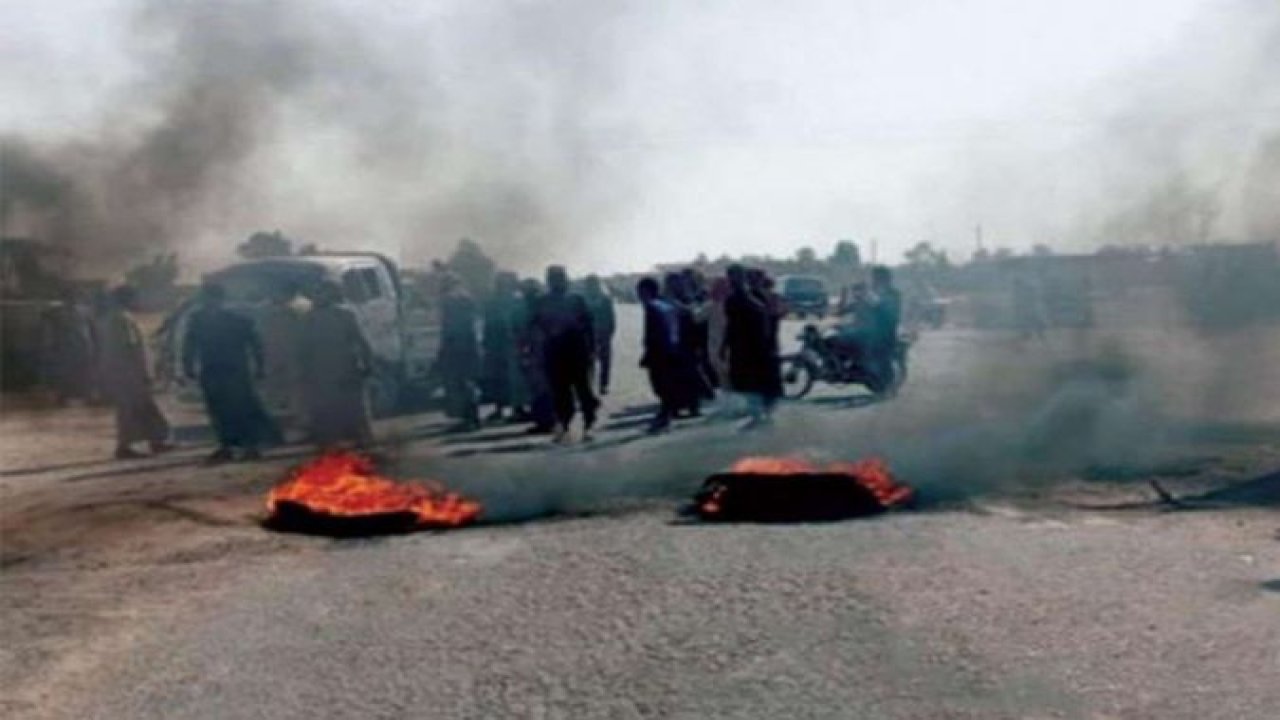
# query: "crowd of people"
544, 352
538, 352
280, 370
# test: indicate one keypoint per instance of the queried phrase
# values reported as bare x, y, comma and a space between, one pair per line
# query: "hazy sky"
649, 131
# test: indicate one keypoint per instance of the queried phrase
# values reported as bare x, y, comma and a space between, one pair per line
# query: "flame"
871, 473
772, 466
345, 484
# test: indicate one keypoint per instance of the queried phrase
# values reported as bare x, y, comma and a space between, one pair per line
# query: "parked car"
804, 295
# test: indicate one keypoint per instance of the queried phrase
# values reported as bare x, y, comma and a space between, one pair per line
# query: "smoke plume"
311, 117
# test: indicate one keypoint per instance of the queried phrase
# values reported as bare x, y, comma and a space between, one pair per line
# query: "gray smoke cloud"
530, 126
1010, 423
1195, 148
1177, 151
311, 117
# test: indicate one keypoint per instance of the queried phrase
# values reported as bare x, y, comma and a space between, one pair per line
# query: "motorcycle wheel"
798, 376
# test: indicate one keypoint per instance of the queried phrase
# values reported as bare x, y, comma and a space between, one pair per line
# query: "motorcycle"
822, 359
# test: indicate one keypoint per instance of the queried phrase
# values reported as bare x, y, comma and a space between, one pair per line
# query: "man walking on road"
503, 377
661, 354
603, 324
564, 322
122, 359
222, 350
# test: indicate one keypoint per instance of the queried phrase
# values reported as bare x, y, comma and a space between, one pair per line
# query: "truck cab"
402, 341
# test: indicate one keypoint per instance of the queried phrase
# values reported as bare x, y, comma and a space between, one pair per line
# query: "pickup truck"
404, 339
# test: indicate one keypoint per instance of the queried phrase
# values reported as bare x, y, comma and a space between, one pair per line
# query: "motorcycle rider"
870, 336
886, 315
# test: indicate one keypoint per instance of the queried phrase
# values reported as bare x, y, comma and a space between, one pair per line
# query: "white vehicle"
403, 340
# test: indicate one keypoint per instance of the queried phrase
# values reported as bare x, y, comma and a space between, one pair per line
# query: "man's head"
212, 295
647, 289
881, 277
592, 285
673, 286
557, 280
530, 288
737, 275
695, 282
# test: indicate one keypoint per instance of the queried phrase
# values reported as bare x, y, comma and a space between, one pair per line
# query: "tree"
926, 256
846, 255
806, 258
265, 245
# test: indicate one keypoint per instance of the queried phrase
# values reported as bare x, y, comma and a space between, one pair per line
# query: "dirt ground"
1031, 582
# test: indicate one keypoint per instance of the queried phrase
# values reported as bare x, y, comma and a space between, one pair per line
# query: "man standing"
222, 350
459, 356
279, 325
122, 359
337, 361
661, 354
564, 323
531, 349
750, 346
603, 324
503, 378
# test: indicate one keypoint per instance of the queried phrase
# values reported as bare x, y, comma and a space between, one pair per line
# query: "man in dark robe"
222, 350
337, 361
661, 355
122, 365
503, 380
603, 323
530, 345
692, 386
750, 346
564, 322
458, 360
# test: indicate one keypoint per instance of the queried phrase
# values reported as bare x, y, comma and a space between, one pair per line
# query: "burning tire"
340, 494
794, 490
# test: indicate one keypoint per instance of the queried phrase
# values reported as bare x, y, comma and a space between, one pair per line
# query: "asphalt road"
1032, 582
